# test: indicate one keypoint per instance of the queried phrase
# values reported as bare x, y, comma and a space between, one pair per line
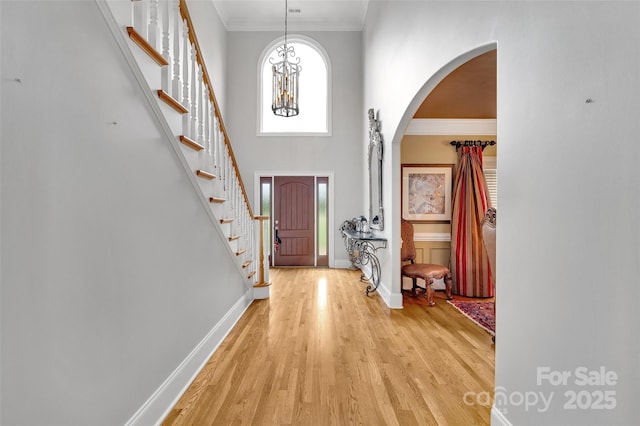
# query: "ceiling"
307, 15
467, 92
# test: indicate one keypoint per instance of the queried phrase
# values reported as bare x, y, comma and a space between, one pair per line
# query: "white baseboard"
156, 408
497, 418
393, 300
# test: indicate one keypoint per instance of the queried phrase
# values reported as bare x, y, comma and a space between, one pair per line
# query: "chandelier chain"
286, 13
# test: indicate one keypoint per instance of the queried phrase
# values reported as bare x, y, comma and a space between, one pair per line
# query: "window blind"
491, 176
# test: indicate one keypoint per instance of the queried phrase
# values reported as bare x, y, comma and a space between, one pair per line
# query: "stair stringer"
119, 35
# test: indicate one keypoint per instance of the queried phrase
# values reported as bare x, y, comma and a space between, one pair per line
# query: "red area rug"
482, 313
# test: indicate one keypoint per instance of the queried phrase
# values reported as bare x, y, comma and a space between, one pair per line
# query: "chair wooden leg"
448, 283
429, 289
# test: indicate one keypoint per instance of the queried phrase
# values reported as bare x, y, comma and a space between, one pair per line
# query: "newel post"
262, 289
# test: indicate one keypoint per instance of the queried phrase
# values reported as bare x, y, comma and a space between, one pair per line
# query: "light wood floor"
320, 352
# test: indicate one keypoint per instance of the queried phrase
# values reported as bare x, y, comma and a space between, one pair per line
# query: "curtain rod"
482, 144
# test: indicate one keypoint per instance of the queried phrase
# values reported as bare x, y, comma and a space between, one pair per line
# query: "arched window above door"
314, 118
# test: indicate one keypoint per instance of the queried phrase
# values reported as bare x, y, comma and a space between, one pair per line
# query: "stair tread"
246, 263
146, 47
172, 102
234, 237
204, 174
191, 143
216, 200
242, 251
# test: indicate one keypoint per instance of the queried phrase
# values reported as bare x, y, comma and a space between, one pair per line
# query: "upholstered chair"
489, 239
426, 271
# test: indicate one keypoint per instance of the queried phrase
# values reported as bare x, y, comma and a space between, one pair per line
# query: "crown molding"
299, 26
303, 15
452, 126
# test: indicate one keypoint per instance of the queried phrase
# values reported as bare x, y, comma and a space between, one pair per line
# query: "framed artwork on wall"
426, 192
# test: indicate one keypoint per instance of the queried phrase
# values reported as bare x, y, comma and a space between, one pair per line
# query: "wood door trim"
296, 220
262, 176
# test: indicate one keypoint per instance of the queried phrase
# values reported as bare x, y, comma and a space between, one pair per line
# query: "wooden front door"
294, 220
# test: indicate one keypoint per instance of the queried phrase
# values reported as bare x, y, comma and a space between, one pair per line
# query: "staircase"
161, 46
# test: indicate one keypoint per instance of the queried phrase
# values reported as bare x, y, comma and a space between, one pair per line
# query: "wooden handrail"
184, 11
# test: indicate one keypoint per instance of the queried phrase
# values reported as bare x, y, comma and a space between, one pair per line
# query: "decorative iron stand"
362, 247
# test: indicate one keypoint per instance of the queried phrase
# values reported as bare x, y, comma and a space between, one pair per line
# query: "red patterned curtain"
470, 265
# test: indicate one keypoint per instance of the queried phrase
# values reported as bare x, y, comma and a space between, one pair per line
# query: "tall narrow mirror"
376, 216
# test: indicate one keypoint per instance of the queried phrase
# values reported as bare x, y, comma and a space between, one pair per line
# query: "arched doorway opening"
457, 102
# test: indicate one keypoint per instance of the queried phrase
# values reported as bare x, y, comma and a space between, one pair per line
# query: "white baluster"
212, 136
165, 73
238, 196
221, 147
251, 237
186, 99
235, 194
244, 230
139, 17
217, 153
238, 206
255, 251
246, 234
241, 220
239, 200
197, 117
222, 171
229, 174
216, 142
134, 13
230, 187
207, 130
193, 113
200, 108
176, 82
247, 231
153, 29
224, 168
223, 151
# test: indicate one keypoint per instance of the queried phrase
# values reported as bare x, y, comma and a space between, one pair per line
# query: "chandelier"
285, 78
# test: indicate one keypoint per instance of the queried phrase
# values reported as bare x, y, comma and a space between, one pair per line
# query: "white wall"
339, 153
108, 257
568, 253
212, 37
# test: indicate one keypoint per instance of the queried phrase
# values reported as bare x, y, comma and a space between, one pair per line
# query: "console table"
362, 247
